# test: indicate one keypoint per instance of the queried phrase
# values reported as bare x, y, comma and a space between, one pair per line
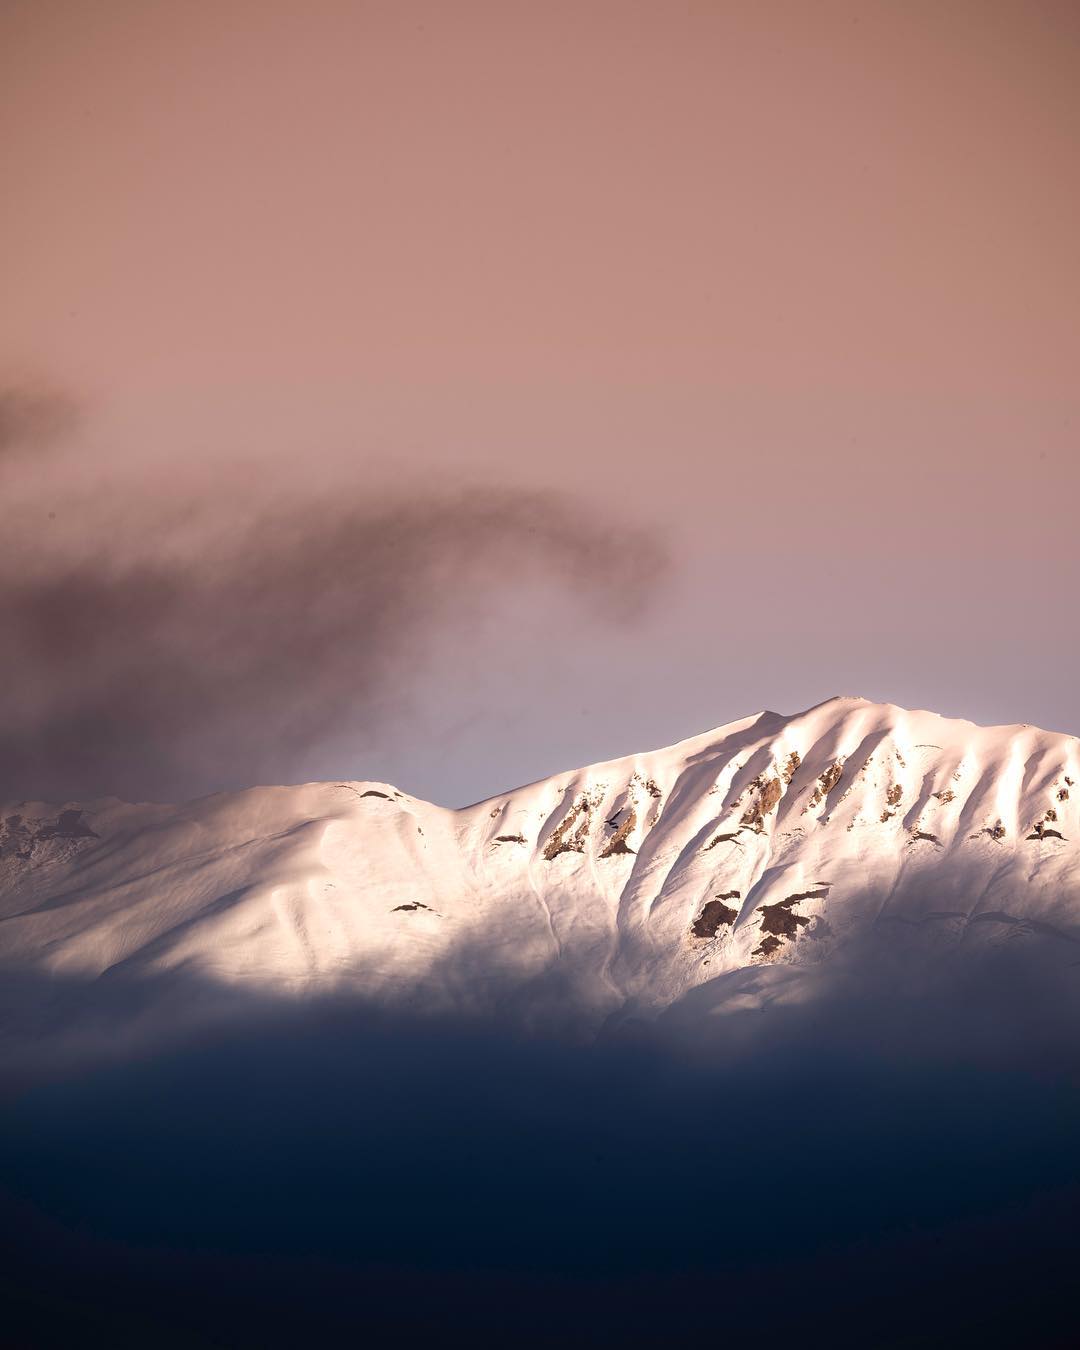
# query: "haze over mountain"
753, 863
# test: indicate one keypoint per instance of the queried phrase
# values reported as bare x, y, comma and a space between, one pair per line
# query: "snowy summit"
739, 865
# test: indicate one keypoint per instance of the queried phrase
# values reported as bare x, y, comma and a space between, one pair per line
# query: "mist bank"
884, 1167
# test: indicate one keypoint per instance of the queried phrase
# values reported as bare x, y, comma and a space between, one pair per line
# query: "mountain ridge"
761, 853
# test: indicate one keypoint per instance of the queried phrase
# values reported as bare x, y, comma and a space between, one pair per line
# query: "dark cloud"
33, 417
169, 642
855, 1176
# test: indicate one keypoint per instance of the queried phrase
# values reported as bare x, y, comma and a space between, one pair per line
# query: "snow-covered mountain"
713, 873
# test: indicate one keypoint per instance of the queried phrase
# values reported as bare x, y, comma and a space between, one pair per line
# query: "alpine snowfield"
741, 865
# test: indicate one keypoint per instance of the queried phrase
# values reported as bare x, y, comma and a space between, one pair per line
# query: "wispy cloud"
33, 417
218, 633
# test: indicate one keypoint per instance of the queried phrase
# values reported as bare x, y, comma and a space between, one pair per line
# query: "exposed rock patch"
19, 838
572, 832
617, 843
69, 825
818, 893
714, 915
729, 838
995, 831
825, 784
1040, 831
779, 921
769, 793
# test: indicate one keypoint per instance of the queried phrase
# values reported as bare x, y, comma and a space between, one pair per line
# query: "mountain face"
739, 866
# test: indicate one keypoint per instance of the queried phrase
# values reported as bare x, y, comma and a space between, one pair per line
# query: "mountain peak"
778, 844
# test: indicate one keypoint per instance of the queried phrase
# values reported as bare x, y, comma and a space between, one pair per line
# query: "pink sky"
795, 285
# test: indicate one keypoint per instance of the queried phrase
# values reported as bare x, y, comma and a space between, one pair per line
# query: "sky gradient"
452, 393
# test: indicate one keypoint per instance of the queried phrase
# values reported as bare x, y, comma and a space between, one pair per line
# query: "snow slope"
731, 863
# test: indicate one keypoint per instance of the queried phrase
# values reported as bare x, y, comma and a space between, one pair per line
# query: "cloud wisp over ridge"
162, 645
